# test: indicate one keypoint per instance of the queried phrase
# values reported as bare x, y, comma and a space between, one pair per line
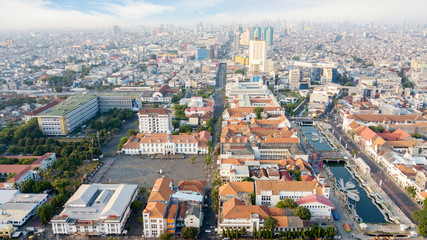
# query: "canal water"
318, 145
366, 210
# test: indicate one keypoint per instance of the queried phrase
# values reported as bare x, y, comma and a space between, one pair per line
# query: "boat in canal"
315, 137
353, 196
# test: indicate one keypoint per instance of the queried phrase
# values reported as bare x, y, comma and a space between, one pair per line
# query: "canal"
366, 210
320, 144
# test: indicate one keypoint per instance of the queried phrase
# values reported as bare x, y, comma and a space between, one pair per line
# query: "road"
396, 194
109, 150
219, 99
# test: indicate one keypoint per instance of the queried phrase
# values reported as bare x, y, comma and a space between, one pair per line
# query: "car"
336, 216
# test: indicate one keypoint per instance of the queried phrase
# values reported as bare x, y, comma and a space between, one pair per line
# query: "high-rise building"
245, 37
268, 35
257, 56
155, 120
256, 33
211, 52
236, 42
294, 77
116, 30
201, 54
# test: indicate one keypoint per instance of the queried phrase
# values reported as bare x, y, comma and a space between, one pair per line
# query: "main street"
219, 99
388, 185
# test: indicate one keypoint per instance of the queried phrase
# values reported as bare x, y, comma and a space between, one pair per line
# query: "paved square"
144, 170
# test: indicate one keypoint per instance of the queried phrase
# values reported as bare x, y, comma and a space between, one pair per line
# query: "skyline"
130, 13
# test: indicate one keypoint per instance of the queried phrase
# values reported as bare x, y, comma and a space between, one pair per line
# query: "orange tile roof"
385, 117
235, 209
171, 213
367, 134
410, 143
353, 125
156, 209
161, 190
192, 185
149, 111
277, 186
234, 188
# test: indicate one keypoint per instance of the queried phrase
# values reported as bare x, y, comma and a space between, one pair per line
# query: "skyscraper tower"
268, 35
236, 42
256, 33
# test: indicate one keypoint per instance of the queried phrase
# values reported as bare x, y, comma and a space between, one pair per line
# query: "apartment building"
163, 143
155, 120
96, 209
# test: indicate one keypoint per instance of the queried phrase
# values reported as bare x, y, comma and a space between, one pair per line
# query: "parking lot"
144, 170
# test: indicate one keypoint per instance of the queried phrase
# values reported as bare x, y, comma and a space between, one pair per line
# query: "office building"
20, 208
268, 35
155, 120
96, 209
201, 54
65, 117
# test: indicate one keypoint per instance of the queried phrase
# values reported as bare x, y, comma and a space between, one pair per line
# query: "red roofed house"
319, 206
13, 173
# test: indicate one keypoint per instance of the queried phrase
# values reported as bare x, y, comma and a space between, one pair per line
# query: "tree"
270, 223
136, 205
422, 228
192, 159
185, 129
419, 215
58, 201
243, 231
287, 203
378, 128
215, 199
425, 203
208, 160
303, 213
258, 111
175, 133
165, 236
248, 179
131, 132
123, 140
189, 232
411, 191
45, 212
175, 124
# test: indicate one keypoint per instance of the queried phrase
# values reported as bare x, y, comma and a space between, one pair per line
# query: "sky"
102, 13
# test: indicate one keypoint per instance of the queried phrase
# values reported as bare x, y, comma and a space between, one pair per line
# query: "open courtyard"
144, 170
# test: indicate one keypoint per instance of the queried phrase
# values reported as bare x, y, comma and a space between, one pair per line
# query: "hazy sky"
101, 13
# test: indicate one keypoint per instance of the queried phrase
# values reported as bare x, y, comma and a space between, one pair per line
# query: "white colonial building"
271, 192
96, 209
163, 143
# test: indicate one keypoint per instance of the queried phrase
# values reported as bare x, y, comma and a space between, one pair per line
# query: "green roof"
68, 105
78, 100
